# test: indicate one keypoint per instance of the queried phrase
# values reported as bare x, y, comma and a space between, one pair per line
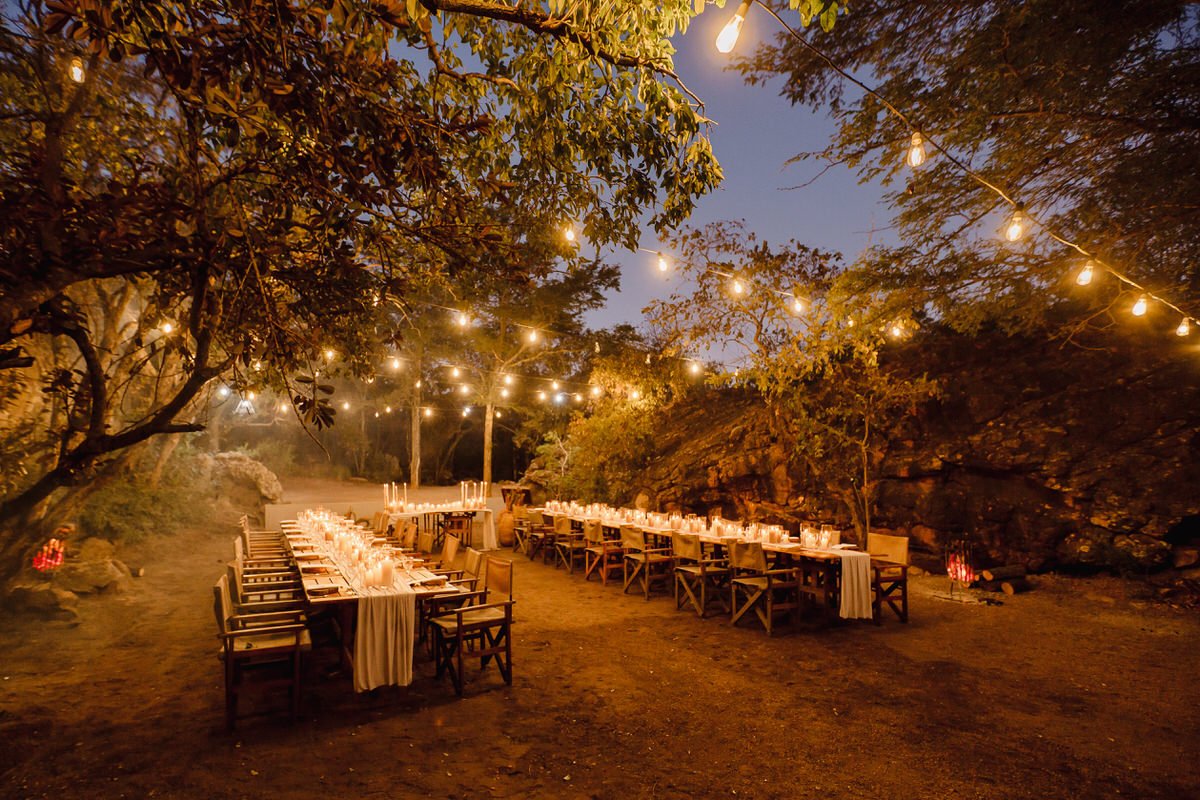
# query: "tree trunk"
489, 418
164, 455
414, 453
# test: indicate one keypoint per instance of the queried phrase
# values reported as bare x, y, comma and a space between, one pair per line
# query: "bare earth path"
1069, 691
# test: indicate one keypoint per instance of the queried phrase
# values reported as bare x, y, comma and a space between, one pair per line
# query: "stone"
86, 577
642, 503
93, 549
1182, 557
1140, 552
43, 599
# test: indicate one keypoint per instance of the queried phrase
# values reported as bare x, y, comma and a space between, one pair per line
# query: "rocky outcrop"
240, 485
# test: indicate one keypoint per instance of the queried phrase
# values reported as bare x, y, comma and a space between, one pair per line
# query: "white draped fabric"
856, 585
383, 643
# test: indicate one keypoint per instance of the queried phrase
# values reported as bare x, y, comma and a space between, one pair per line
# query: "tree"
1085, 111
260, 167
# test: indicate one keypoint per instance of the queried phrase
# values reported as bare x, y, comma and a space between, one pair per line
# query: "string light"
77, 71
1184, 327
497, 413
345, 405
798, 305
728, 36
467, 411
508, 379
428, 411
897, 330
504, 392
569, 233
595, 391
541, 395
1085, 275
462, 319
223, 391
578, 397
329, 354
663, 264
533, 336
1139, 307
739, 288
554, 385
465, 389
455, 372
1017, 224
283, 406
251, 396
395, 364
916, 151
387, 410
694, 367
167, 327
376, 415
558, 398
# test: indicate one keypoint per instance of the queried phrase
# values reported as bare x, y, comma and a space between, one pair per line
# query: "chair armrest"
498, 604
240, 632
295, 616
657, 550
465, 582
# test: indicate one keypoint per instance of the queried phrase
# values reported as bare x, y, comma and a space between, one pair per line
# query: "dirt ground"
1073, 690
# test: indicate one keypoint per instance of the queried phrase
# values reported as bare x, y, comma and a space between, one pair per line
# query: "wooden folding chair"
701, 577
482, 631
602, 555
650, 565
889, 574
768, 592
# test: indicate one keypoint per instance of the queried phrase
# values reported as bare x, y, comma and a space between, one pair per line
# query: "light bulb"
346, 406
728, 36
463, 320
1016, 226
916, 151
739, 288
694, 367
897, 331
283, 406
541, 395
454, 372
395, 363
504, 392
1139, 307
467, 411
508, 379
428, 411
595, 391
1184, 327
497, 413
798, 305
251, 395
376, 415
663, 265
258, 367
558, 398
77, 71
418, 384
533, 336
329, 354
1086, 274
465, 389
387, 410
635, 395
223, 391
166, 328
370, 380
554, 385
578, 397
569, 233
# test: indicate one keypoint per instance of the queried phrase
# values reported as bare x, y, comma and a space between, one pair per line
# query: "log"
1004, 573
1015, 586
987, 586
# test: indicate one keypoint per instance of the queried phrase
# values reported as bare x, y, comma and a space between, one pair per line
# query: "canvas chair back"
687, 546
222, 604
562, 525
593, 531
533, 516
474, 560
408, 534
239, 549
425, 541
633, 538
888, 548
747, 556
498, 579
449, 550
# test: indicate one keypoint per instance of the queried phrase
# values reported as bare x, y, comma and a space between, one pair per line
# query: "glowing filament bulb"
462, 319
728, 36
541, 395
329, 354
897, 331
387, 410
578, 397
1017, 224
554, 385
739, 288
77, 71
798, 305
504, 392
1086, 274
251, 395
465, 389
595, 391
223, 391
663, 265
418, 384
508, 379
376, 415
569, 233
558, 398
1139, 307
455, 372
533, 336
1184, 327
916, 151
395, 364
428, 411
635, 395
346, 405
694, 367
283, 406
467, 411
497, 414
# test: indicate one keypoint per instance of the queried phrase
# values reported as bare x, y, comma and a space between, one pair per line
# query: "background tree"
1085, 111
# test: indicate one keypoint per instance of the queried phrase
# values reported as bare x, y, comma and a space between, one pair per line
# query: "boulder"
84, 577
43, 599
1183, 557
93, 549
243, 471
1140, 552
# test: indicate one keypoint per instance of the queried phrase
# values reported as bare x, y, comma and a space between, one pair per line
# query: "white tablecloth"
383, 642
856, 585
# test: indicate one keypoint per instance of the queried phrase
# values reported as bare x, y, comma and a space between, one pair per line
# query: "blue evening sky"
757, 131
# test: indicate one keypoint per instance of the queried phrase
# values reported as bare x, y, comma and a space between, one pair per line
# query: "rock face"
43, 599
1040, 454
242, 485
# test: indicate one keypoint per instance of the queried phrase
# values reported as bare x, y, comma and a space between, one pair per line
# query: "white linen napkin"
856, 585
383, 643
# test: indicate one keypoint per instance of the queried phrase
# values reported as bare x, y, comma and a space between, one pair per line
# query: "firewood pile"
1010, 579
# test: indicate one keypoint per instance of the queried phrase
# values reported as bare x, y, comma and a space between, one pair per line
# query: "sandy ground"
1073, 690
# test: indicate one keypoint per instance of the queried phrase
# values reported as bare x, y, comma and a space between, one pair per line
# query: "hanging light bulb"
1184, 327
418, 384
663, 264
728, 36
541, 395
387, 410
569, 233
167, 327
694, 367
251, 395
504, 392
462, 319
329, 354
497, 413
346, 405
578, 397
916, 151
428, 411
508, 379
558, 398
738, 287
595, 391
1139, 307
1086, 274
455, 372
533, 336
635, 395
465, 389
77, 71
467, 411
223, 391
897, 330
395, 364
798, 305
376, 415
1017, 224
554, 385
283, 406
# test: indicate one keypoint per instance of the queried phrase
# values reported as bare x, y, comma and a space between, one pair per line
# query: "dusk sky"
757, 131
